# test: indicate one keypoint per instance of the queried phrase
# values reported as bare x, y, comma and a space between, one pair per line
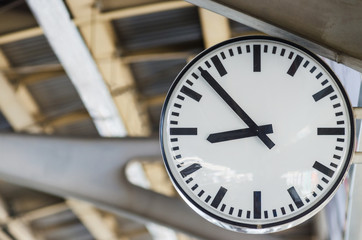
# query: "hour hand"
238, 134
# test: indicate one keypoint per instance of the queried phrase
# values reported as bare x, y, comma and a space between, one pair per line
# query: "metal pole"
93, 170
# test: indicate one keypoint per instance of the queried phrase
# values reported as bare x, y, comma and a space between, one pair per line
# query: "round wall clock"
256, 134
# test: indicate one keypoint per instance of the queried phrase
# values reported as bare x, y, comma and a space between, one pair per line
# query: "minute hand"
237, 109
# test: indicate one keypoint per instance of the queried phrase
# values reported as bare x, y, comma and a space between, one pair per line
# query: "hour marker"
218, 198
208, 198
295, 65
231, 53
240, 212
201, 193
257, 204
223, 55
190, 169
319, 75
218, 65
323, 169
191, 93
313, 69
330, 131
295, 197
195, 76
183, 131
322, 93
257, 59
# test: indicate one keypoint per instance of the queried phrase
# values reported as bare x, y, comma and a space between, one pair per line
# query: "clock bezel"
277, 225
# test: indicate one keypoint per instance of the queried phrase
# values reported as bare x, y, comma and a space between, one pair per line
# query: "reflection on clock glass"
256, 134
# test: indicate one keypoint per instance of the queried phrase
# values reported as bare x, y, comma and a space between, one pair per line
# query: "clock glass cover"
256, 134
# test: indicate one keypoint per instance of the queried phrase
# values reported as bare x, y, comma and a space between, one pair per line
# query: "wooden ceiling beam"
103, 17
215, 27
134, 11
17, 105
100, 39
68, 119
93, 220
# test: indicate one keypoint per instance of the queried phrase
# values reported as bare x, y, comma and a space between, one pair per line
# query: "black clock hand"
236, 108
237, 134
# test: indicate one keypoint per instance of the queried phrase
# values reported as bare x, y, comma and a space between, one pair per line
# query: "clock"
256, 134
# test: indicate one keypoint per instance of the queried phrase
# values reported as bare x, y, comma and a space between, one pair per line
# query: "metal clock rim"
323, 201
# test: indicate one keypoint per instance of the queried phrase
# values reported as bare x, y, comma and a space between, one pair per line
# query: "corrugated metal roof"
4, 124
155, 77
56, 96
108, 5
63, 225
155, 113
29, 52
173, 28
85, 128
15, 16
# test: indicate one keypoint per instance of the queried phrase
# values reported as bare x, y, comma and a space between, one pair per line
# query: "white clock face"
256, 134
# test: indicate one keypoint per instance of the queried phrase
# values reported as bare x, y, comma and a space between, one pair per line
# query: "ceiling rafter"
105, 17
17, 105
17, 227
215, 27
100, 39
21, 110
93, 220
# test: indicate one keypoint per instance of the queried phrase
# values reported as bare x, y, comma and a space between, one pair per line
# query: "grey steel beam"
329, 28
94, 170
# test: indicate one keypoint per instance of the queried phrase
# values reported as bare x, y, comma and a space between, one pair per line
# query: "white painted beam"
79, 65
